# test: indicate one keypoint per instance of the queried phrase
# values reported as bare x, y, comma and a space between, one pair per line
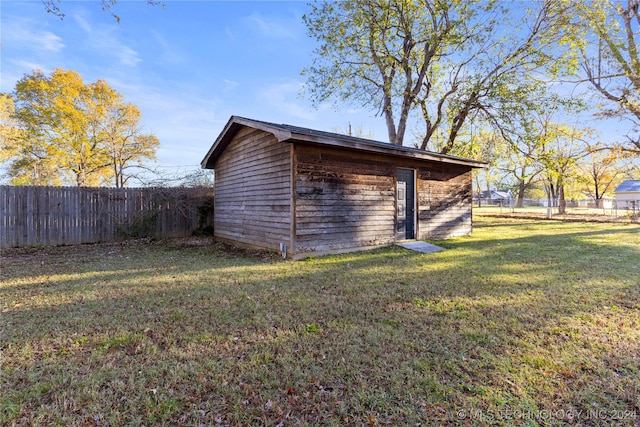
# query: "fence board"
50, 216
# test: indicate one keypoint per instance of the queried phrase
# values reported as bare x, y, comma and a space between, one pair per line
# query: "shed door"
406, 204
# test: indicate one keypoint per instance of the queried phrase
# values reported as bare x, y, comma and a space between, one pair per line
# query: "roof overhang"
292, 134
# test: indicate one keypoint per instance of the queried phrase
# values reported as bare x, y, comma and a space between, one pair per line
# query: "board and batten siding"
253, 190
444, 202
343, 200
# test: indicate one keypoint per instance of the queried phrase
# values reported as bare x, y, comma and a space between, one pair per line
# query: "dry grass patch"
525, 322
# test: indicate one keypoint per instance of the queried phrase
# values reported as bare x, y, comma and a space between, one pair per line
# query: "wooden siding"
253, 190
444, 202
344, 200
341, 199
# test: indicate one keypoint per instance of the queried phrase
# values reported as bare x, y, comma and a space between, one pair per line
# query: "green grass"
523, 323
577, 213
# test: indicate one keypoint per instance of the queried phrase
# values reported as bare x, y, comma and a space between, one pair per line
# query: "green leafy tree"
74, 132
526, 129
445, 62
604, 40
523, 150
491, 148
563, 147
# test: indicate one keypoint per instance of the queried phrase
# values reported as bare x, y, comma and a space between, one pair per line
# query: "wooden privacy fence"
52, 216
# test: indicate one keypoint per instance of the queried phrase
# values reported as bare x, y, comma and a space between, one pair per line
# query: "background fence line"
51, 216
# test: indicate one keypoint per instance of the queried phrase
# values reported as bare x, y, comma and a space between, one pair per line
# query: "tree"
179, 177
604, 36
124, 141
58, 114
601, 172
52, 6
11, 138
74, 132
524, 132
491, 148
562, 149
523, 151
631, 169
447, 62
9, 130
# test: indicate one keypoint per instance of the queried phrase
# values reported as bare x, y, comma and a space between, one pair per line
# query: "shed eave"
230, 129
292, 134
388, 150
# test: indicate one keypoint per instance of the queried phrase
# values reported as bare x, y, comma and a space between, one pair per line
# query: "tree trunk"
115, 173
478, 189
521, 188
562, 203
81, 178
550, 194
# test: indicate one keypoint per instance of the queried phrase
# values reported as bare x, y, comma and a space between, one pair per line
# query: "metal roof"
289, 133
630, 185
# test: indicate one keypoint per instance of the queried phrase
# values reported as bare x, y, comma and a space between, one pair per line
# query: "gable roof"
289, 133
497, 194
630, 185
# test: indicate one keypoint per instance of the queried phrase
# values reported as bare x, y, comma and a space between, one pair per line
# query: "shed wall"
343, 200
346, 199
444, 202
253, 190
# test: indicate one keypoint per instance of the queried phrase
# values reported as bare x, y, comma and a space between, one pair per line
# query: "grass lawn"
524, 323
579, 213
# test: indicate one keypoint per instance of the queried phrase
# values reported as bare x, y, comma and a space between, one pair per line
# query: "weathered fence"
52, 216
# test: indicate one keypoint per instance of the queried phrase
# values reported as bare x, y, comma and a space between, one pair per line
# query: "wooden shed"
307, 192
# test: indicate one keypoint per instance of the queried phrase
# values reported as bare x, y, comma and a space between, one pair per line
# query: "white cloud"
282, 96
127, 55
49, 41
23, 33
104, 38
171, 54
229, 85
180, 115
29, 66
83, 23
269, 27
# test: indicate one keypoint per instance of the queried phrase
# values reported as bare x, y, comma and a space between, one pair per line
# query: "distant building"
496, 197
589, 202
628, 194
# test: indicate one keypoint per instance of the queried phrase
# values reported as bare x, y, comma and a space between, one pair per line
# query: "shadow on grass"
498, 321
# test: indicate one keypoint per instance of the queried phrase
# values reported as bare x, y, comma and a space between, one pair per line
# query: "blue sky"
188, 66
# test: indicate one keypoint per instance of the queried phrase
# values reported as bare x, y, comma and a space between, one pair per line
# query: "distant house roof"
629, 186
496, 194
284, 132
